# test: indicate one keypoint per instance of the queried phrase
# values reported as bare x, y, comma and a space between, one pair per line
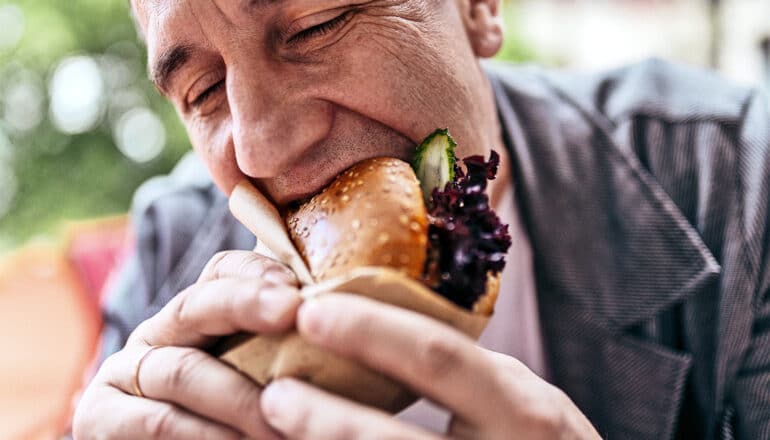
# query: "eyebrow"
172, 60
169, 63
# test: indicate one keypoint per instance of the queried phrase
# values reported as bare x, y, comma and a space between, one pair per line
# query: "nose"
275, 118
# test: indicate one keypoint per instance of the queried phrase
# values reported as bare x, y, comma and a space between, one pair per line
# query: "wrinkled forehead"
176, 20
147, 12
163, 22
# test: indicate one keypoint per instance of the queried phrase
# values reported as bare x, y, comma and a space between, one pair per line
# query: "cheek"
411, 76
214, 147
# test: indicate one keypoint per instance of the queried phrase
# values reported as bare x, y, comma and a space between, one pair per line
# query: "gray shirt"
644, 193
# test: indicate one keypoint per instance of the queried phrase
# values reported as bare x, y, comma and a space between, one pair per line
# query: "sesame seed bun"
365, 234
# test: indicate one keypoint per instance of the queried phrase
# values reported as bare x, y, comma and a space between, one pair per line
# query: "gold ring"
137, 389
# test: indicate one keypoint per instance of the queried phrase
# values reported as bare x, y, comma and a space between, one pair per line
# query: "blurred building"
598, 34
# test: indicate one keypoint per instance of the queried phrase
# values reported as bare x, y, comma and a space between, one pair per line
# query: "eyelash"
203, 97
314, 31
320, 29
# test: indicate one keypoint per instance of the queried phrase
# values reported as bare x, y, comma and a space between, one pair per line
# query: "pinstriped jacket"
645, 192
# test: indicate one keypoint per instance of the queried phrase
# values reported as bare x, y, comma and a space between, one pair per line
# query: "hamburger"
421, 236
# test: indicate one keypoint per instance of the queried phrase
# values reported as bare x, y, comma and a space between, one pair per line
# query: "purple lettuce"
466, 238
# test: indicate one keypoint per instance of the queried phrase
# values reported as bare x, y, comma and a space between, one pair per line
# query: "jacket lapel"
629, 388
612, 252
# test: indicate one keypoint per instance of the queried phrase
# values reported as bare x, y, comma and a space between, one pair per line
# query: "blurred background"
81, 127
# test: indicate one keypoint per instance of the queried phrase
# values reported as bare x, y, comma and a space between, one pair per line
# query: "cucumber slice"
434, 162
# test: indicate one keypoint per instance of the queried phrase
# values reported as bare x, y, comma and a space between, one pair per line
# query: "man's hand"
187, 393
491, 396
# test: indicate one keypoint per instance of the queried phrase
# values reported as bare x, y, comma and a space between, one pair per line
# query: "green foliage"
61, 176
514, 48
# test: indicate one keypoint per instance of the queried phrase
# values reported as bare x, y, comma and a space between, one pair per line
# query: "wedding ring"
137, 389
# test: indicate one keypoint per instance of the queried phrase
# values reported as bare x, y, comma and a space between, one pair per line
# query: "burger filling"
467, 242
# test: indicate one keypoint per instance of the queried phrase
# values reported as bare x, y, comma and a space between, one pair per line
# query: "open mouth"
353, 138
312, 174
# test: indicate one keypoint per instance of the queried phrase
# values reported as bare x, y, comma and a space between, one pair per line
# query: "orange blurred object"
49, 326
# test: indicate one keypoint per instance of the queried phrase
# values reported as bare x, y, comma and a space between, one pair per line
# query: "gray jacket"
645, 195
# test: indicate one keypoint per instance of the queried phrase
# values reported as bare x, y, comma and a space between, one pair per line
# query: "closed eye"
321, 29
203, 97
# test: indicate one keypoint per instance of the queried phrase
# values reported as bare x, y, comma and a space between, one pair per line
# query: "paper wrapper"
264, 358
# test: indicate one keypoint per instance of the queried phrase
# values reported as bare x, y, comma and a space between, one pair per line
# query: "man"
635, 300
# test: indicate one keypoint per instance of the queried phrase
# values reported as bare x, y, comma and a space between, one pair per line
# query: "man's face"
289, 93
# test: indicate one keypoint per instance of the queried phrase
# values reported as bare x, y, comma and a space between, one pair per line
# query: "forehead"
165, 23
150, 12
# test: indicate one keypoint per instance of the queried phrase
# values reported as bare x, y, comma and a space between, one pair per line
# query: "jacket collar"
607, 239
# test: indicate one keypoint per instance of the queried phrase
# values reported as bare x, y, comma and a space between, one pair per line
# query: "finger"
300, 411
221, 307
193, 380
433, 359
105, 412
247, 264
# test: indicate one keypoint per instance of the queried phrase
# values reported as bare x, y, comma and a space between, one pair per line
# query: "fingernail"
275, 303
312, 321
279, 276
276, 398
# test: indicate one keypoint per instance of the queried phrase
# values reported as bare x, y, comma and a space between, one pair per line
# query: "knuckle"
266, 270
439, 356
298, 423
181, 372
545, 422
242, 299
246, 264
160, 424
348, 431
138, 336
545, 418
213, 266
245, 401
350, 327
111, 363
293, 424
548, 426
179, 308
113, 370
253, 264
219, 256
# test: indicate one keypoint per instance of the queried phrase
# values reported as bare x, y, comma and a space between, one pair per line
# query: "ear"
483, 25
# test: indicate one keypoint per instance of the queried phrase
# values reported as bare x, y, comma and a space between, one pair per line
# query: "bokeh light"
11, 26
123, 100
77, 95
140, 135
23, 101
117, 72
